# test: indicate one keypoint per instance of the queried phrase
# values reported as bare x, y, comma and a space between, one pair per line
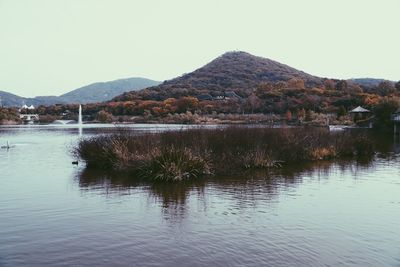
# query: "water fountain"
80, 120
80, 115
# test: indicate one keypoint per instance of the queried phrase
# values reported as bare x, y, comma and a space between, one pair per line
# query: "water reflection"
396, 148
343, 213
173, 197
110, 182
246, 190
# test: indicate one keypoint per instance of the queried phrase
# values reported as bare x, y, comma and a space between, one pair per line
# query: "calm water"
53, 213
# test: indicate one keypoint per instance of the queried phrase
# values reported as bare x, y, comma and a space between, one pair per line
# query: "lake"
53, 213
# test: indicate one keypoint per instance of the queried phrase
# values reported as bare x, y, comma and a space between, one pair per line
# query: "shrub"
104, 116
174, 165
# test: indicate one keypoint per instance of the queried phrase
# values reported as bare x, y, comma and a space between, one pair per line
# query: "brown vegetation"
9, 116
180, 155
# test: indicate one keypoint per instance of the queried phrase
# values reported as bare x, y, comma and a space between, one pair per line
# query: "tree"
296, 83
383, 111
342, 85
329, 84
281, 85
187, 103
385, 88
263, 89
288, 115
104, 116
341, 111
254, 102
354, 88
157, 111
397, 85
301, 114
309, 115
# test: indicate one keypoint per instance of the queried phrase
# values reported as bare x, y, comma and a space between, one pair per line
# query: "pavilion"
360, 113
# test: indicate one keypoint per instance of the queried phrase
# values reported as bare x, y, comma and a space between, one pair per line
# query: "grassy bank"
180, 155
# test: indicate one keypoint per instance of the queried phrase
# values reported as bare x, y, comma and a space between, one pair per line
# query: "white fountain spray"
80, 120
80, 115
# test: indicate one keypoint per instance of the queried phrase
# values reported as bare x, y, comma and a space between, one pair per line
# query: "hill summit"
238, 71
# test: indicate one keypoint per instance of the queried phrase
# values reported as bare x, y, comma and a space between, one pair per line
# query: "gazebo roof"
359, 110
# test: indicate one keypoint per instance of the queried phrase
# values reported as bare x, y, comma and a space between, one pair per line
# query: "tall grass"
181, 155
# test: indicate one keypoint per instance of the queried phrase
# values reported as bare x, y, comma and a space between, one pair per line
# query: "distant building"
396, 115
232, 94
31, 107
360, 113
205, 97
228, 95
29, 118
360, 110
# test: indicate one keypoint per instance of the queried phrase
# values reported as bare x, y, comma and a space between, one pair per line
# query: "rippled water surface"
53, 213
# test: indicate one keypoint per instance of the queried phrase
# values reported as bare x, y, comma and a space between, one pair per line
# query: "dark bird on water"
7, 146
75, 163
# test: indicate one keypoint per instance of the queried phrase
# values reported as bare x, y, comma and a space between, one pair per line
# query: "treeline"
278, 98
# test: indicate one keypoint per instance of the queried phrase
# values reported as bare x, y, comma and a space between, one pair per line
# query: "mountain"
46, 100
231, 71
368, 82
103, 91
240, 70
10, 100
95, 92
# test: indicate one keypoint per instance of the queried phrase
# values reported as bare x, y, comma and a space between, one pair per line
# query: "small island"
193, 153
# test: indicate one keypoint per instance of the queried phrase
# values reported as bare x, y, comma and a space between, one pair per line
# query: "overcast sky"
49, 47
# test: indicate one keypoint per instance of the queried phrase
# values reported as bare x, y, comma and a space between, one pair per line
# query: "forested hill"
238, 71
103, 91
95, 92
369, 82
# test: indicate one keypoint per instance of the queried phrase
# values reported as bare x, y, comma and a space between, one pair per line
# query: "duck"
75, 163
6, 146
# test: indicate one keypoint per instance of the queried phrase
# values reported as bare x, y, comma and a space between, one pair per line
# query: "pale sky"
49, 47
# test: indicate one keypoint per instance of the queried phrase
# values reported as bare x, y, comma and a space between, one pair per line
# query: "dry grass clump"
175, 165
258, 159
320, 153
181, 155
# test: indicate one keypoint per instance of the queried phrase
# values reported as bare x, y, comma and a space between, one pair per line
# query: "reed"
186, 154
